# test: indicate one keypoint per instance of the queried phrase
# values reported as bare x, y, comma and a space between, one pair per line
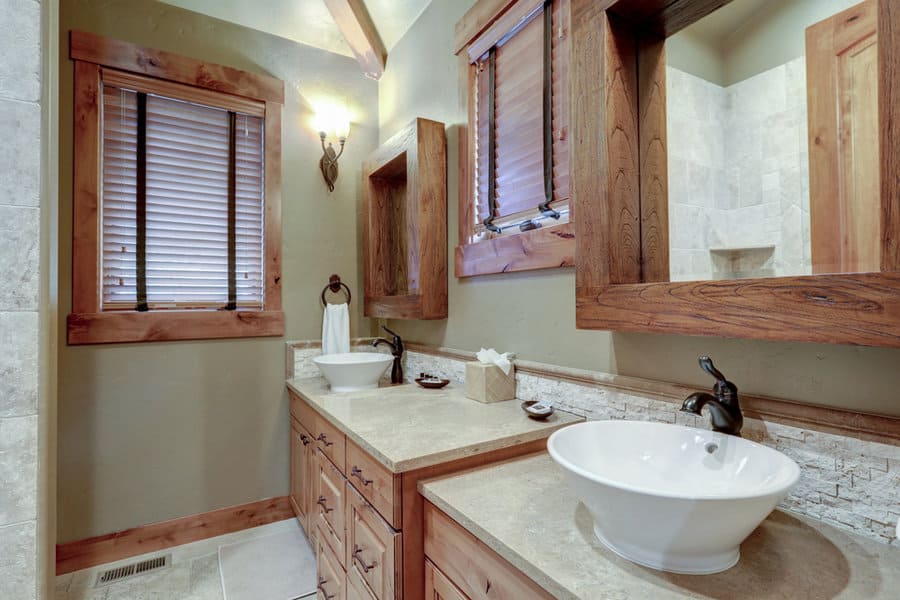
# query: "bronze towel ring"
335, 284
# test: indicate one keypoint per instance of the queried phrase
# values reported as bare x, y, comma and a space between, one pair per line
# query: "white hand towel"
335, 329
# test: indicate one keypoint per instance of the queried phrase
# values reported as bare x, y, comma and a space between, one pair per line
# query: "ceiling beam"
359, 31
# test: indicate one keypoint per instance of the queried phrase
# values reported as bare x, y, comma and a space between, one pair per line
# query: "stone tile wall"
20, 235
739, 174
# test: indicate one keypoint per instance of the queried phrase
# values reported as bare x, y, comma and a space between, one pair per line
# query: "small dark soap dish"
431, 382
535, 414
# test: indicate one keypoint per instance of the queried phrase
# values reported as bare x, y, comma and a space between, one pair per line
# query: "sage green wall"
533, 314
155, 431
728, 52
775, 36
692, 54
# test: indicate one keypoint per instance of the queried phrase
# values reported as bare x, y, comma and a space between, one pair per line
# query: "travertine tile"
20, 153
18, 561
18, 470
206, 579
19, 258
18, 363
20, 47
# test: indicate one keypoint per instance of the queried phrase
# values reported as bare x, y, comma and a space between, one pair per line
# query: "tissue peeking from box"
492, 378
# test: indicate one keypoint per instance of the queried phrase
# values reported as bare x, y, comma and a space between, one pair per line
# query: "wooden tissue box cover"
488, 383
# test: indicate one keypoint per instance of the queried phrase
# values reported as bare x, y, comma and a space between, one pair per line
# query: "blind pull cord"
492, 143
141, 205
232, 214
544, 207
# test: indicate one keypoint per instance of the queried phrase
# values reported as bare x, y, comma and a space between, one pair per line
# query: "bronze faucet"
724, 408
396, 352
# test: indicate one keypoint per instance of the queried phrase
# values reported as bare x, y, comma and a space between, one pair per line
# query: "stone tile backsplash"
850, 483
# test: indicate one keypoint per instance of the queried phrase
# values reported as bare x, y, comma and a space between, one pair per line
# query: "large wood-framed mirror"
737, 182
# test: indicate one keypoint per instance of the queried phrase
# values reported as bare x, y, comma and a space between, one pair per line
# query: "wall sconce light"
331, 123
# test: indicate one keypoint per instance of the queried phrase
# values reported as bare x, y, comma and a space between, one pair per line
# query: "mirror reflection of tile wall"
738, 175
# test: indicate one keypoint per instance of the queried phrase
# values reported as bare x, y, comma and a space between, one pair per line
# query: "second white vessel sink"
353, 371
669, 497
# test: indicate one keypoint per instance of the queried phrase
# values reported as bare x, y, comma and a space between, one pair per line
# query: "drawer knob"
362, 564
321, 588
324, 440
357, 472
305, 439
321, 502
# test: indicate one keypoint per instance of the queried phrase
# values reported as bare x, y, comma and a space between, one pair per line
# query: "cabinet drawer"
438, 587
357, 588
373, 548
330, 505
478, 572
375, 482
303, 412
330, 578
331, 442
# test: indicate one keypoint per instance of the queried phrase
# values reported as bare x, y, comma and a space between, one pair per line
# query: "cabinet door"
301, 476
438, 587
356, 588
330, 504
330, 578
373, 548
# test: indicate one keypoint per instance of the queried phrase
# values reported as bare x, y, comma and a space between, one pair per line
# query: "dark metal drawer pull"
321, 588
321, 502
356, 556
305, 439
324, 440
357, 472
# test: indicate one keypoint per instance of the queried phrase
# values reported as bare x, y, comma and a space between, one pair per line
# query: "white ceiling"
308, 21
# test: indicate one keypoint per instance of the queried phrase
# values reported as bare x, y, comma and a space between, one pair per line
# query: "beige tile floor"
193, 575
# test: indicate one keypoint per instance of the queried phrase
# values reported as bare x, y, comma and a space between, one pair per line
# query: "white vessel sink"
669, 497
353, 371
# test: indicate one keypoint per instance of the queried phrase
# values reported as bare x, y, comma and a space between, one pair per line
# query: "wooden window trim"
619, 193
164, 72
545, 248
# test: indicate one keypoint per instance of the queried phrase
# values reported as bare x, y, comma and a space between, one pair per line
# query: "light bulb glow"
332, 120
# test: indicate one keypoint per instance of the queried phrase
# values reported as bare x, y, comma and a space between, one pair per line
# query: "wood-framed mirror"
833, 278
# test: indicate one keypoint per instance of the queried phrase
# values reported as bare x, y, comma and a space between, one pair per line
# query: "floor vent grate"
132, 570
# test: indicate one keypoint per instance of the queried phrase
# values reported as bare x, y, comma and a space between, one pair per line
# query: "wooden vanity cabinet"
462, 564
365, 521
331, 492
373, 547
438, 586
302, 470
331, 582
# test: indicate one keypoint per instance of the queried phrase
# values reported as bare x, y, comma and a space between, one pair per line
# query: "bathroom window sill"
172, 325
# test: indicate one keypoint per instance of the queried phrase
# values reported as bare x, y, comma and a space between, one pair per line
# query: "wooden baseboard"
82, 554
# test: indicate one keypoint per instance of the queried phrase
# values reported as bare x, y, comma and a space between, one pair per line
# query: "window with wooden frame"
514, 161
177, 200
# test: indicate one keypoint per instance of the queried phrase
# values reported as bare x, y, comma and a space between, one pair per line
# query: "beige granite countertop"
525, 511
406, 427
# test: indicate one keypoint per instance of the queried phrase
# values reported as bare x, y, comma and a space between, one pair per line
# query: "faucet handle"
393, 333
724, 389
706, 364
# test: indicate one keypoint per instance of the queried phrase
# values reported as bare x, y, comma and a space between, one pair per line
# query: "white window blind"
187, 204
